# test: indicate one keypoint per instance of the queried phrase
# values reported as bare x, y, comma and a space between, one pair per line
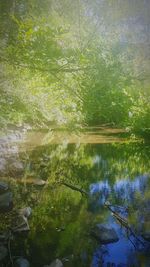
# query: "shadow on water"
62, 219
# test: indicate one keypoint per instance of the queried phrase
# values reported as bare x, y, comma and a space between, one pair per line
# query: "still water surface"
110, 168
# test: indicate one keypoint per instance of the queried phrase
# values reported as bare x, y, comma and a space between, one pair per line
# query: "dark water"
62, 218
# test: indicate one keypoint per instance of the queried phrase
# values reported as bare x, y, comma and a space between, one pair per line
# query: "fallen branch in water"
124, 223
73, 187
121, 220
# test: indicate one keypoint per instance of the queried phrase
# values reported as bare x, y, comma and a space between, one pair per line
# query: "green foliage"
36, 47
62, 72
140, 117
104, 98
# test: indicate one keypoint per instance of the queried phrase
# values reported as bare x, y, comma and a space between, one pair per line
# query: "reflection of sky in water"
123, 189
103, 188
121, 253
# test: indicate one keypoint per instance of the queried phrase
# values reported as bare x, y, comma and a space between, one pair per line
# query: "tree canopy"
74, 63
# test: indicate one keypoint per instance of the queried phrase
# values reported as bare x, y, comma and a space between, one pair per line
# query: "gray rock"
16, 168
56, 263
39, 182
21, 262
2, 166
26, 212
6, 202
3, 187
3, 252
4, 238
104, 234
22, 225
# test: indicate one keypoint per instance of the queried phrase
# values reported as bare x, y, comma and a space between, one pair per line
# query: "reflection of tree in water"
91, 162
62, 218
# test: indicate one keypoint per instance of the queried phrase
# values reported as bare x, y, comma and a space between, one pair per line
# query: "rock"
26, 212
56, 263
60, 229
39, 182
4, 237
3, 252
16, 168
22, 225
21, 262
6, 202
104, 234
3, 164
3, 187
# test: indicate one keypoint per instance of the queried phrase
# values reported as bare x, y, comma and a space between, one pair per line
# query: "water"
109, 168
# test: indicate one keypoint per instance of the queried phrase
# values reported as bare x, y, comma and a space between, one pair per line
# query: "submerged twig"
73, 187
124, 223
132, 242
